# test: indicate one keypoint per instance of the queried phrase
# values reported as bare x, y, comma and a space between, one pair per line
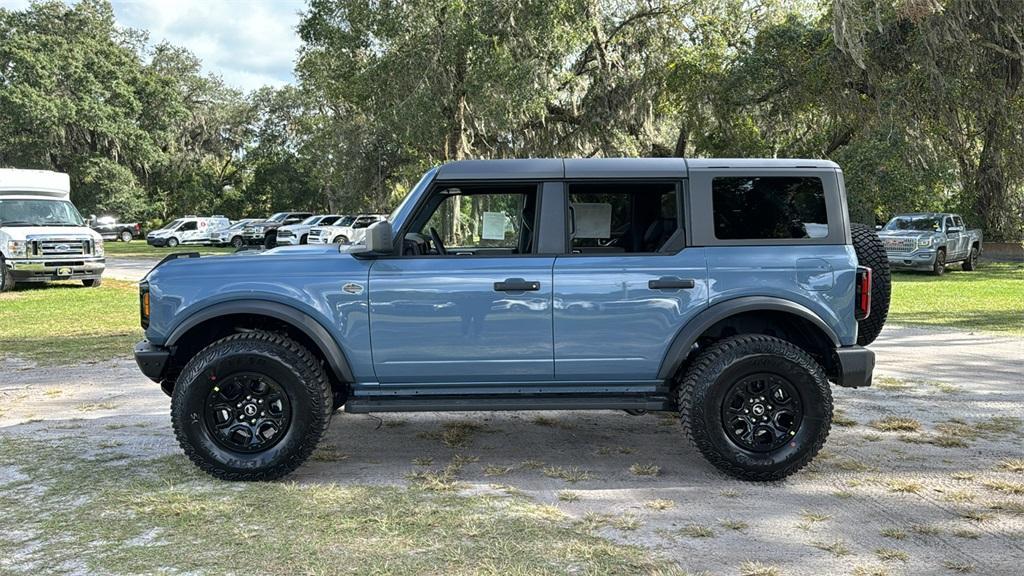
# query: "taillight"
144, 304
863, 293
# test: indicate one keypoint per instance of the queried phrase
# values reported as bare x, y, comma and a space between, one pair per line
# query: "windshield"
344, 221
39, 213
237, 225
279, 217
406, 205
310, 221
173, 224
329, 220
916, 223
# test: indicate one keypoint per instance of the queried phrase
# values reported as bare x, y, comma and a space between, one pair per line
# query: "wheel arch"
751, 313
215, 321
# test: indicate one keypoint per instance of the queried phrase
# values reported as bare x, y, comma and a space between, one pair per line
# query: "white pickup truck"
42, 235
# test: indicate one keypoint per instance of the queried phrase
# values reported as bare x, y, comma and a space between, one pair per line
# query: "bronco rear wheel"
757, 407
871, 253
251, 406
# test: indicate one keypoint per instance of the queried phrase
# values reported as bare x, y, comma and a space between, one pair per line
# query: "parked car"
232, 235
299, 233
110, 229
188, 230
42, 235
346, 232
930, 241
324, 234
729, 292
265, 232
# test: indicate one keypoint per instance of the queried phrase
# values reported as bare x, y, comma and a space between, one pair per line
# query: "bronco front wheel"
251, 406
757, 407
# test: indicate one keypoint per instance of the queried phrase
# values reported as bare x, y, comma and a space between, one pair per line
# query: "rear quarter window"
768, 207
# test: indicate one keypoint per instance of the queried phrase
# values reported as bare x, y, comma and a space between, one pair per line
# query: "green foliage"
919, 100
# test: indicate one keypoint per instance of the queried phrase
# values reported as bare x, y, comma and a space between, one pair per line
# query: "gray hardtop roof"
557, 168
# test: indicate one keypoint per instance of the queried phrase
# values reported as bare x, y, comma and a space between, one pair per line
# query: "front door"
628, 283
468, 301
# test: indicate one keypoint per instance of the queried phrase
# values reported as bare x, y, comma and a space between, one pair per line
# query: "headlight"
924, 242
17, 248
98, 250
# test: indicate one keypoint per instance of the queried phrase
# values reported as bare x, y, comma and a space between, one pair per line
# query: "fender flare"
688, 334
310, 327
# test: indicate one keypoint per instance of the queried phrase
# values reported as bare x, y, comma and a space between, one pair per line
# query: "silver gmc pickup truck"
930, 241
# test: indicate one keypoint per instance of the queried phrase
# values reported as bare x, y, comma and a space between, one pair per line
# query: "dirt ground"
922, 474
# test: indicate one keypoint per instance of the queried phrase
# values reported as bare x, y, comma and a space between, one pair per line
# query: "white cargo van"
188, 230
42, 235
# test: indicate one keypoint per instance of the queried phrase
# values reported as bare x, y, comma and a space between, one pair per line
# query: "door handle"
671, 283
516, 285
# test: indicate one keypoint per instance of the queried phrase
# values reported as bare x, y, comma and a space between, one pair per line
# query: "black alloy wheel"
762, 412
248, 412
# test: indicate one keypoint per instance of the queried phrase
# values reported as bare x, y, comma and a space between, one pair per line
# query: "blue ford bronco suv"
731, 292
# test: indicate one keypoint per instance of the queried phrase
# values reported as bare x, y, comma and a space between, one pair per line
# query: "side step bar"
650, 403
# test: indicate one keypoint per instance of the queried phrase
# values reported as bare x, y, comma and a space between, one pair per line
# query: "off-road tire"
172, 242
971, 264
93, 282
126, 236
6, 277
871, 253
704, 387
939, 266
293, 367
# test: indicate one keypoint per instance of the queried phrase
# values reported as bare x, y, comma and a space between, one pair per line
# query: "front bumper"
158, 242
288, 240
152, 359
46, 270
856, 365
917, 260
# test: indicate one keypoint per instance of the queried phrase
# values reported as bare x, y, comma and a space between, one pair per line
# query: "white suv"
346, 231
299, 233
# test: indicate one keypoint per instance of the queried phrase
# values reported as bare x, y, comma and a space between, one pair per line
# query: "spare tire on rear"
871, 253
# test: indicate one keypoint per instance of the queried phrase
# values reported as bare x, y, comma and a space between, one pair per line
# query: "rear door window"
627, 217
768, 207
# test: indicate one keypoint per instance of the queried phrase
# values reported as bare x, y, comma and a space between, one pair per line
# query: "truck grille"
902, 245
285, 234
57, 247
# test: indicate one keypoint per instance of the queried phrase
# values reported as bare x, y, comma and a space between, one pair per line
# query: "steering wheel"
436, 239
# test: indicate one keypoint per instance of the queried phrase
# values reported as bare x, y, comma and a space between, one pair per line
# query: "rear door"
628, 282
469, 301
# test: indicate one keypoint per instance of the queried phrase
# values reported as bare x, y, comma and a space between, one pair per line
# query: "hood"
159, 233
291, 227
304, 250
252, 265
23, 232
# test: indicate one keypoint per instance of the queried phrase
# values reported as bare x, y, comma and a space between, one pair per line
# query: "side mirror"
379, 238
878, 226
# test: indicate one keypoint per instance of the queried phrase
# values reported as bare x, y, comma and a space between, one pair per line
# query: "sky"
249, 43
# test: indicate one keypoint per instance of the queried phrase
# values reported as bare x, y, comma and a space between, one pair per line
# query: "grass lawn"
989, 299
140, 248
73, 508
67, 323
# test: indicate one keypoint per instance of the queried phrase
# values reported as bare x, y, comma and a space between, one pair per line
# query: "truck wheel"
757, 407
269, 241
939, 266
871, 253
341, 240
126, 236
304, 239
237, 242
971, 263
93, 282
172, 242
6, 277
251, 406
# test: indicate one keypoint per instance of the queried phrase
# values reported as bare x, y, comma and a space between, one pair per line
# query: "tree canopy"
919, 100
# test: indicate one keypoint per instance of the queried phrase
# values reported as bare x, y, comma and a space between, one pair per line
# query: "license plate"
64, 271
